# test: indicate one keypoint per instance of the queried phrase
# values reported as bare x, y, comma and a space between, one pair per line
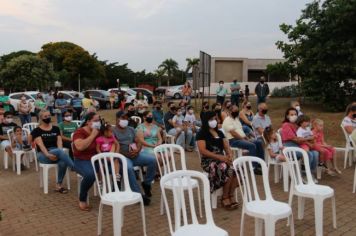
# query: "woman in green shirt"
67, 128
40, 104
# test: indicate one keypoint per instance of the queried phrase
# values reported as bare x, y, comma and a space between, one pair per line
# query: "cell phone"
133, 147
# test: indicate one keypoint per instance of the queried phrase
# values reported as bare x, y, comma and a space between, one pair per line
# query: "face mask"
9, 120
293, 118
262, 82
206, 107
213, 124
248, 107
217, 110
221, 85
264, 111
149, 119
191, 111
47, 120
158, 108
96, 125
235, 114
297, 108
179, 113
68, 118
123, 123
173, 109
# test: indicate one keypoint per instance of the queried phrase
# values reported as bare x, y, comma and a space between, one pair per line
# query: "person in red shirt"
84, 149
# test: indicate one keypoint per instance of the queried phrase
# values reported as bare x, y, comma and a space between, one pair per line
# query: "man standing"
4, 101
76, 104
235, 92
221, 93
125, 135
261, 90
261, 120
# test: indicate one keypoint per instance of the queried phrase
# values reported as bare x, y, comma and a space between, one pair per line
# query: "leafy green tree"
191, 62
27, 72
169, 66
70, 61
8, 57
282, 70
322, 47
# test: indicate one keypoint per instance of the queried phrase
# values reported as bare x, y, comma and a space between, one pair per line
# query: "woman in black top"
50, 148
212, 144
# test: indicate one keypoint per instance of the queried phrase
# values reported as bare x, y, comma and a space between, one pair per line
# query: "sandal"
225, 202
233, 202
61, 190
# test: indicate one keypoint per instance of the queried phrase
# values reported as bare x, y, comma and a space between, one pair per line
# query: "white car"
131, 94
174, 91
15, 99
68, 95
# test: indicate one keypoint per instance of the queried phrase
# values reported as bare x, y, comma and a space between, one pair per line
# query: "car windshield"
74, 93
105, 93
131, 92
33, 95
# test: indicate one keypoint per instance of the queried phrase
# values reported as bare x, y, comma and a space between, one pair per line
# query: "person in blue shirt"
76, 104
158, 114
61, 107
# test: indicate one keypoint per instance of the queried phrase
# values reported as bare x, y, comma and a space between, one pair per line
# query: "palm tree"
191, 62
159, 74
168, 66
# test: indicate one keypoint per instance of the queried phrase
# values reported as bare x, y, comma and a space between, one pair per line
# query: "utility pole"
79, 82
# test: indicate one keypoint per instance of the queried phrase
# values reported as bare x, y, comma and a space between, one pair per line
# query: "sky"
143, 33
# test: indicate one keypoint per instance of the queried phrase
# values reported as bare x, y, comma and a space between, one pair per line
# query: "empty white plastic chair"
265, 210
183, 181
348, 148
165, 156
309, 190
30, 126
110, 193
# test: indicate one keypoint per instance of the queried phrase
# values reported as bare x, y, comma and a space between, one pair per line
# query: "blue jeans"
184, 139
85, 169
25, 118
254, 147
312, 155
143, 159
247, 129
63, 161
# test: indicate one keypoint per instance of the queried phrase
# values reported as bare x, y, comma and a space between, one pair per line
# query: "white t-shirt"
304, 133
232, 124
178, 119
274, 147
190, 118
347, 121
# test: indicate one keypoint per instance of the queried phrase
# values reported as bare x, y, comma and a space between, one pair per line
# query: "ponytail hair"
87, 118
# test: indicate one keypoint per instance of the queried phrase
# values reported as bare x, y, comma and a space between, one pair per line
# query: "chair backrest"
104, 162
352, 142
11, 131
137, 119
31, 126
78, 122
181, 179
291, 154
280, 144
165, 153
347, 137
245, 174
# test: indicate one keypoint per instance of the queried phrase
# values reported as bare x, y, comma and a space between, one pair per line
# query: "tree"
283, 70
70, 61
322, 47
29, 72
159, 73
191, 62
8, 57
169, 66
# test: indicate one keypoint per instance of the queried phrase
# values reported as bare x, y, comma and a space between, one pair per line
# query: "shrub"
288, 91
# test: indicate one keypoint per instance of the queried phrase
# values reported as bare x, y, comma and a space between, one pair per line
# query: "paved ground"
25, 210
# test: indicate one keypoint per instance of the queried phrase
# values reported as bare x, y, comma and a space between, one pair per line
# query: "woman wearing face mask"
83, 149
50, 147
61, 106
290, 139
212, 144
24, 108
216, 107
67, 128
148, 134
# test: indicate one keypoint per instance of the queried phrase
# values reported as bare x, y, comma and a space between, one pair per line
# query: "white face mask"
68, 118
96, 125
221, 85
293, 118
9, 120
297, 108
213, 124
179, 113
123, 123
191, 111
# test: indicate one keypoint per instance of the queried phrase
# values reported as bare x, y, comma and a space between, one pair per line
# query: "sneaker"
146, 200
147, 189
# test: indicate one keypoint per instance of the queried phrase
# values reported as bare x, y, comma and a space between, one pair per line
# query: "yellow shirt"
231, 124
87, 102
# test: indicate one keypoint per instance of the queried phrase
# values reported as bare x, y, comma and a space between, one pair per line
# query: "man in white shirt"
261, 120
237, 137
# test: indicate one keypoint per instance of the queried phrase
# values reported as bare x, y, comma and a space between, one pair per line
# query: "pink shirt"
288, 131
105, 143
318, 136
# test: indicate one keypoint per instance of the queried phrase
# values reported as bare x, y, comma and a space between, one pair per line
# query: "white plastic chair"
348, 148
77, 122
168, 138
184, 181
354, 185
137, 119
30, 126
110, 193
310, 190
268, 210
165, 153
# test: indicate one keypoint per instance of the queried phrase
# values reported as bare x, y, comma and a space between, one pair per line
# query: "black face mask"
235, 114
149, 119
354, 116
248, 107
173, 109
217, 110
264, 111
206, 107
228, 107
262, 82
47, 120
158, 108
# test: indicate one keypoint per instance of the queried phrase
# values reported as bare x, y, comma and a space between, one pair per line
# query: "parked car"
15, 99
68, 95
146, 93
174, 91
103, 97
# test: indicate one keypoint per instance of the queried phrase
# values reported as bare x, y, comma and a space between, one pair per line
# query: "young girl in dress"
274, 146
106, 142
326, 152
